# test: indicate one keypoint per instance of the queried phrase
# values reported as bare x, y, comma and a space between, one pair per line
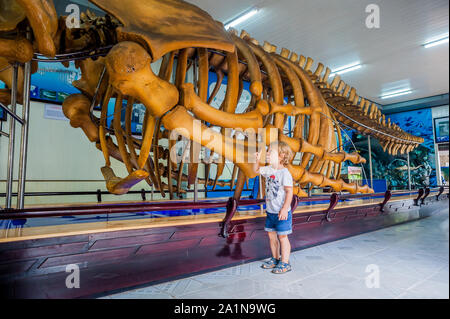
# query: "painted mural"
420, 123
394, 169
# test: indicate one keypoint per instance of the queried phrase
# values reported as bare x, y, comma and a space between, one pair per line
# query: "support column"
196, 190
12, 133
207, 168
261, 207
24, 135
438, 163
409, 171
369, 143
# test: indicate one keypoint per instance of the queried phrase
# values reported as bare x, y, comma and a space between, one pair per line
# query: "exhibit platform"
119, 246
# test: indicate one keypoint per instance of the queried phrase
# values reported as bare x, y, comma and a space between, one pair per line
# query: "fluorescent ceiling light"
346, 68
241, 19
396, 93
436, 42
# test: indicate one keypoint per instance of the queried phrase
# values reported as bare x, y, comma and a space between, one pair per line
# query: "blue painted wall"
420, 123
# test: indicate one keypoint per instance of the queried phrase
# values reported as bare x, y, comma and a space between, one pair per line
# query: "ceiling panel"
334, 33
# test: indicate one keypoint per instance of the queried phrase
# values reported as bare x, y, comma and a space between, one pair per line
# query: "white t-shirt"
276, 180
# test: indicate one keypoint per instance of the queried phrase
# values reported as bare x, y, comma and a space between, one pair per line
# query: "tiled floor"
412, 261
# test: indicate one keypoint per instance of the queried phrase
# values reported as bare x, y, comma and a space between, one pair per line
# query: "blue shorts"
282, 227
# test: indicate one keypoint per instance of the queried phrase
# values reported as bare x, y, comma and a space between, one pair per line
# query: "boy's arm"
256, 166
283, 215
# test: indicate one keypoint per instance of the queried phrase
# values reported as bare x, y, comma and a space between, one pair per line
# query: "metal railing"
115, 208
99, 193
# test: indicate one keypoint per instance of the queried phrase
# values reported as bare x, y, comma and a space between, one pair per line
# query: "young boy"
279, 191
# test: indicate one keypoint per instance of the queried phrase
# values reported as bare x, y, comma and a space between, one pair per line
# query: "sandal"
281, 268
271, 263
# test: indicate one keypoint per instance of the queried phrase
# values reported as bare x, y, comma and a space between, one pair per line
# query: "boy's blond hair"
284, 151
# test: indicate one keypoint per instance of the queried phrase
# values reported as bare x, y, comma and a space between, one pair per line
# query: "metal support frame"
207, 167
24, 135
409, 171
420, 194
437, 161
441, 190
387, 197
426, 193
196, 190
195, 80
370, 160
260, 193
334, 200
11, 113
12, 133
24, 121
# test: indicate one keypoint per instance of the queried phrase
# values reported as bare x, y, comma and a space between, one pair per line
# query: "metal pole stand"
196, 190
409, 171
260, 194
24, 134
369, 143
12, 133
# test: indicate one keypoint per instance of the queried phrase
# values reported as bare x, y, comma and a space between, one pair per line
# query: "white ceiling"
334, 33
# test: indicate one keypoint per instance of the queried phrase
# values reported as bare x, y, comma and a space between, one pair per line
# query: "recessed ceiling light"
241, 18
346, 68
436, 42
396, 93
